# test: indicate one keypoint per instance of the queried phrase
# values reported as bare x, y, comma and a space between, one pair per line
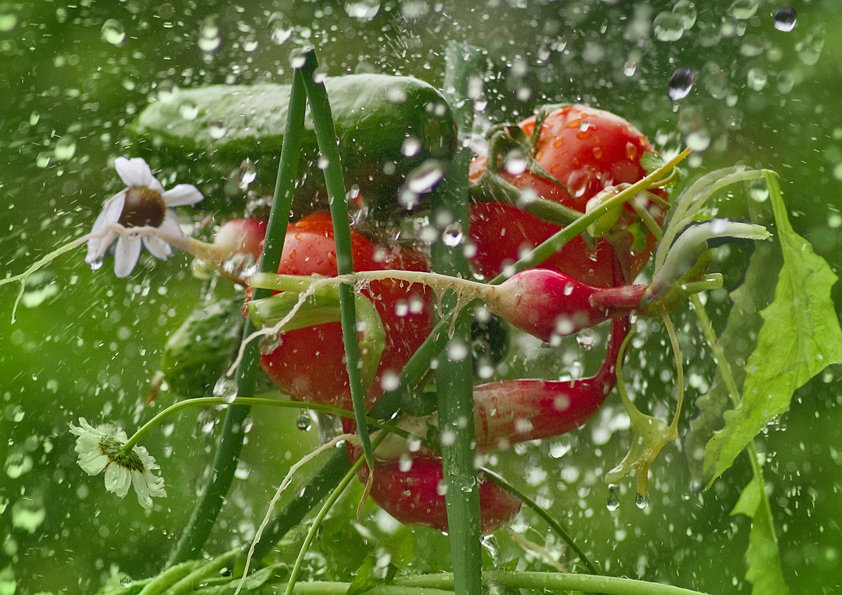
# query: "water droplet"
297, 58
743, 9
188, 110
613, 502
757, 79
8, 21
810, 48
40, 287
452, 235
515, 162
457, 351
404, 463
17, 464
390, 381
698, 140
424, 177
216, 130
304, 422
680, 83
65, 148
410, 146
364, 10
629, 68
668, 26
785, 18
209, 39
226, 389
641, 501
686, 11
280, 29
28, 515
586, 339
113, 32
96, 264
758, 191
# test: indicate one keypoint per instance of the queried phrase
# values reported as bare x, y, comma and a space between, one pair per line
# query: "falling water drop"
364, 10
785, 18
113, 32
304, 422
425, 176
641, 501
680, 83
613, 502
668, 26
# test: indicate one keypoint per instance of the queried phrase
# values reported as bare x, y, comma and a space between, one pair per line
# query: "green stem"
252, 401
189, 583
317, 522
233, 430
542, 252
553, 582
541, 512
454, 375
329, 149
727, 376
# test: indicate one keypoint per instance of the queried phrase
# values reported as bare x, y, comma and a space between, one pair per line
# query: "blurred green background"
74, 74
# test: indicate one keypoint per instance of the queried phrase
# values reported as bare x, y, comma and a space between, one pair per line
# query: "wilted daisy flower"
101, 449
144, 203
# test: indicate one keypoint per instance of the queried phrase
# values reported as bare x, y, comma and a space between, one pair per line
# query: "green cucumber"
206, 133
201, 349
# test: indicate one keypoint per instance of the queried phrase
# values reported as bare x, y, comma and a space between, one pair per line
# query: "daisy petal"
118, 479
157, 247
182, 194
126, 255
170, 225
136, 172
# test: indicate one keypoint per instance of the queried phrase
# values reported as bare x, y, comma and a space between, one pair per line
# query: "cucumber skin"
201, 349
373, 115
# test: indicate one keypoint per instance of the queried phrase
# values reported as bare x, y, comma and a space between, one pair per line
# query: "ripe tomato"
586, 150
309, 362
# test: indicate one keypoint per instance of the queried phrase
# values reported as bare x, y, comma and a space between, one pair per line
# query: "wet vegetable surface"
85, 345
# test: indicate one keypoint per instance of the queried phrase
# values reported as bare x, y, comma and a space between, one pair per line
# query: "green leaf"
371, 574
800, 336
762, 557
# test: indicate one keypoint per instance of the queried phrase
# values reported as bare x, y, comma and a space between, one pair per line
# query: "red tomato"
309, 363
586, 150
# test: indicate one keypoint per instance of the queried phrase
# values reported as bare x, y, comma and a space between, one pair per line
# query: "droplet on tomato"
680, 83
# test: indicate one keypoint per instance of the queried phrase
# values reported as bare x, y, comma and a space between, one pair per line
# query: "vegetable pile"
392, 267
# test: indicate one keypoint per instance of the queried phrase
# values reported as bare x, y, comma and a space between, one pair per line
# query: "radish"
411, 489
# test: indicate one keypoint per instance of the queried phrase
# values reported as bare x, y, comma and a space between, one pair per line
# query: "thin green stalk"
734, 393
538, 510
542, 252
454, 374
189, 583
233, 429
317, 522
250, 402
329, 149
552, 582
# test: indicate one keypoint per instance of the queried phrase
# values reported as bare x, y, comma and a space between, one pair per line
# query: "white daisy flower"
101, 449
144, 203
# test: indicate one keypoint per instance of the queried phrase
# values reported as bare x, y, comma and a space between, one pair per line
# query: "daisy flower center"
143, 207
113, 451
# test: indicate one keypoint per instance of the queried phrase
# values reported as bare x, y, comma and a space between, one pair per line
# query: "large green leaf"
800, 336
